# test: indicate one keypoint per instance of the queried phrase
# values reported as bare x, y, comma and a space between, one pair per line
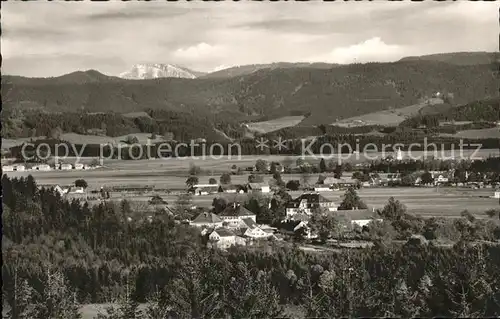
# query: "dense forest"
478, 111
58, 255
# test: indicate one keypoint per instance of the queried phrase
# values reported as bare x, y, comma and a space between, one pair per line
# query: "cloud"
374, 49
203, 35
200, 50
135, 13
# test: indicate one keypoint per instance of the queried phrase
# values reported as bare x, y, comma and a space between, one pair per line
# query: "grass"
171, 174
75, 138
423, 201
493, 132
387, 117
274, 125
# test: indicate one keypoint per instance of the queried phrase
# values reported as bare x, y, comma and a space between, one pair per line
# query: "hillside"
458, 58
247, 69
389, 117
484, 110
323, 95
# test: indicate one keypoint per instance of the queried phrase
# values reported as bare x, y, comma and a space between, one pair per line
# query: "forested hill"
487, 110
324, 94
458, 58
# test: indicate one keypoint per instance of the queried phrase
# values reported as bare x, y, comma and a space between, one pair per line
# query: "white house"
20, 168
258, 187
232, 189
250, 229
440, 179
307, 203
8, 168
79, 166
234, 214
224, 238
200, 191
207, 220
496, 194
204, 189
322, 188
66, 166
42, 167
62, 191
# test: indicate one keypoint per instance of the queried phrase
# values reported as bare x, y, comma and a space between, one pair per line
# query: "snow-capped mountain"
154, 71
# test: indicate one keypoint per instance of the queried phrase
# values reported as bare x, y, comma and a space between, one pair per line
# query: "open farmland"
493, 132
387, 117
421, 201
426, 202
81, 139
274, 125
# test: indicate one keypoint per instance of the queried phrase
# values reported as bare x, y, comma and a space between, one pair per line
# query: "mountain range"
321, 92
152, 71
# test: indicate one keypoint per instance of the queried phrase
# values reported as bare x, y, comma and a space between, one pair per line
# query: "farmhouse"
224, 238
207, 220
132, 188
61, 190
258, 187
338, 182
65, 166
440, 179
233, 214
232, 189
290, 228
78, 193
200, 191
359, 217
385, 178
307, 203
8, 168
42, 167
250, 229
322, 188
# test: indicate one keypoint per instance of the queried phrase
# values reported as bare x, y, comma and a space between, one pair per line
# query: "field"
274, 125
387, 117
493, 132
171, 174
75, 138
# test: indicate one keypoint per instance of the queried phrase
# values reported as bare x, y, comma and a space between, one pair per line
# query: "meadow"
388, 117
493, 132
274, 125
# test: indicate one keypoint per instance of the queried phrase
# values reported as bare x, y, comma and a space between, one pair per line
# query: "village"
221, 209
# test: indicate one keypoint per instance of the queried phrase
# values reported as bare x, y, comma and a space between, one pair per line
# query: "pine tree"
57, 300
21, 305
351, 200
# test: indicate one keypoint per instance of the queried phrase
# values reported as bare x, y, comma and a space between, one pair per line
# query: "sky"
42, 38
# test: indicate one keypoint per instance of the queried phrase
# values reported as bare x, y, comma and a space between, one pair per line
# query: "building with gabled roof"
234, 213
307, 203
259, 187
207, 219
232, 189
224, 238
250, 229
